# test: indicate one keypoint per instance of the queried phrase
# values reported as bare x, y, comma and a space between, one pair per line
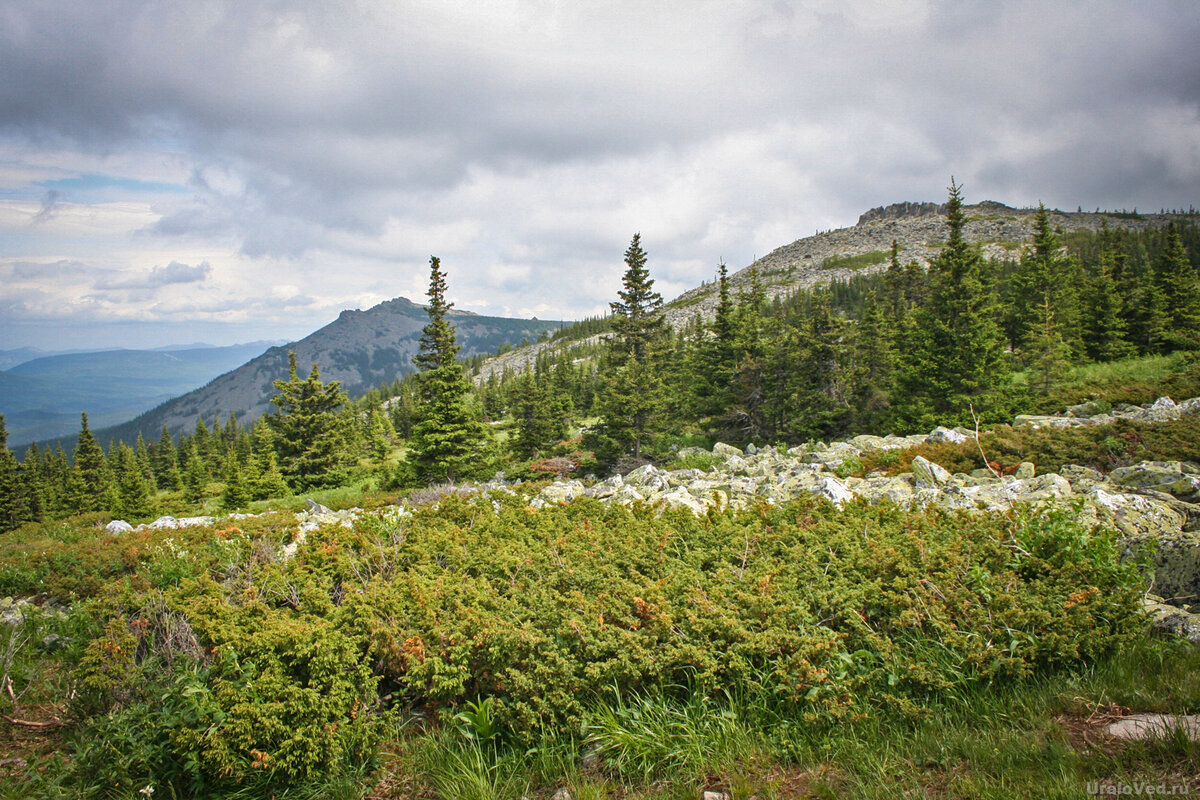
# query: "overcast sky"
231, 170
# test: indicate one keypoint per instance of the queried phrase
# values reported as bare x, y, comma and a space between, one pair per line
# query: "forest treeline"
966, 339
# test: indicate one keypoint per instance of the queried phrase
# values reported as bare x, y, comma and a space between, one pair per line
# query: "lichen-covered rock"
832, 490
940, 434
647, 477
1025, 471
117, 527
627, 495
1036, 421
867, 444
313, 507
1133, 515
559, 492
1176, 564
722, 450
928, 475
1173, 620
681, 498
606, 488
1089, 409
736, 465
896, 489
1161, 476
1081, 478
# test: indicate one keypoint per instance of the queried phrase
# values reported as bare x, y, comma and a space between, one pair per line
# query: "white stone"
1155, 726
940, 434
118, 526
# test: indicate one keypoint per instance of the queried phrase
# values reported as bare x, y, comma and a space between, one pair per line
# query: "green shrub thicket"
206, 671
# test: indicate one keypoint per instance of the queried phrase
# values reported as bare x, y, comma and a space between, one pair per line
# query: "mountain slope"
41, 398
362, 349
918, 229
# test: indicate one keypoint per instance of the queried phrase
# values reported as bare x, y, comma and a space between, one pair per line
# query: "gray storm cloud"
336, 145
172, 273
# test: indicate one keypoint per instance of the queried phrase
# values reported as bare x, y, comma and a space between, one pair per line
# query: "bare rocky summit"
917, 228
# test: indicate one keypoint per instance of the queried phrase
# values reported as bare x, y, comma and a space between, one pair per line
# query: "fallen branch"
54, 723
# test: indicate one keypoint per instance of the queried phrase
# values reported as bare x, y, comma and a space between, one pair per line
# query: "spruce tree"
1179, 286
308, 433
540, 414
1104, 329
953, 355
874, 355
1043, 287
130, 491
632, 396
90, 478
196, 475
713, 357
14, 501
236, 493
165, 461
263, 476
449, 442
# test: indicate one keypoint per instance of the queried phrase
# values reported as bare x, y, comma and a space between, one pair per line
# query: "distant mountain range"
362, 349
41, 397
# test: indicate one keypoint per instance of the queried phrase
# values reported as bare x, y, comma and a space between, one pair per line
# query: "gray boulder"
1171, 477
117, 527
928, 475
940, 434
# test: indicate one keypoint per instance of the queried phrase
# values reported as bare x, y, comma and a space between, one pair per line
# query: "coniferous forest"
898, 351
461, 642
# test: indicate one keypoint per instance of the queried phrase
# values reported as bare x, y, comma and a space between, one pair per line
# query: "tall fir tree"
1043, 294
90, 478
541, 415
308, 432
165, 461
129, 493
449, 441
14, 499
712, 357
195, 480
1104, 329
632, 396
1176, 280
236, 493
953, 355
264, 478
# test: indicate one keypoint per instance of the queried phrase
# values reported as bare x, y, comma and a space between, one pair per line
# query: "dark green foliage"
636, 322
130, 491
632, 395
308, 434
1104, 329
541, 415
1042, 294
237, 493
90, 479
775, 600
196, 477
14, 488
449, 442
1179, 285
953, 352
